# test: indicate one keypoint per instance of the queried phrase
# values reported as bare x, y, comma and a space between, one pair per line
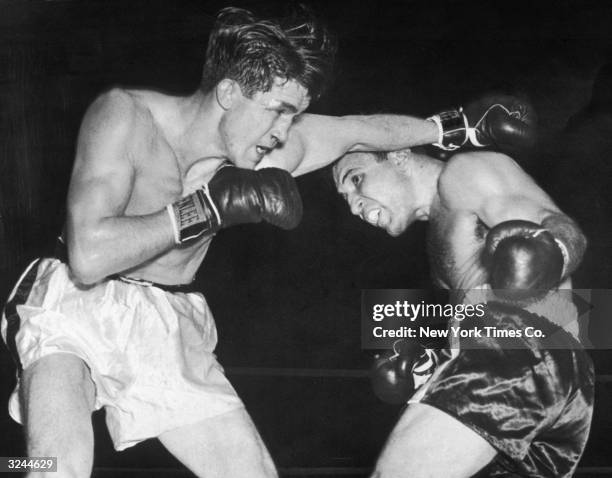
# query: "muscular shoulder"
477, 175
112, 126
115, 110
479, 168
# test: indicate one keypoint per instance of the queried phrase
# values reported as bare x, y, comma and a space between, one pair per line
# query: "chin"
394, 232
245, 163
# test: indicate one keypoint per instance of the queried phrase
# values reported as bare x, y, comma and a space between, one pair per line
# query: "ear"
225, 92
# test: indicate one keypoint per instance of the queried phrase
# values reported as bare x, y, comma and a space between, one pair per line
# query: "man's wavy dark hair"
254, 52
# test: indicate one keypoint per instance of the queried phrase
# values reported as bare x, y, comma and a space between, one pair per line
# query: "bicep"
508, 207
102, 175
98, 192
288, 157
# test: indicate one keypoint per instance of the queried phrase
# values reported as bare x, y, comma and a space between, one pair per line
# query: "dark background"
287, 303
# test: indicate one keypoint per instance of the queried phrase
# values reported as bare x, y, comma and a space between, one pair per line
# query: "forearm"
111, 245
569, 236
316, 140
389, 132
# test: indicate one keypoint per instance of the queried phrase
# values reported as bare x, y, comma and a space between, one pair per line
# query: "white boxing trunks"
150, 351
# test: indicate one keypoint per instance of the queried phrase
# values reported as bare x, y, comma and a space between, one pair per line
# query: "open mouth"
372, 216
261, 150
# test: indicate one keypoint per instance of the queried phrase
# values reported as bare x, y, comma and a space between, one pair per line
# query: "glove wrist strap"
565, 254
562, 247
453, 129
193, 216
424, 367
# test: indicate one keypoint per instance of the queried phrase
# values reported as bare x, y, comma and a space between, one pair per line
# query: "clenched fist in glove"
523, 260
506, 123
237, 196
396, 375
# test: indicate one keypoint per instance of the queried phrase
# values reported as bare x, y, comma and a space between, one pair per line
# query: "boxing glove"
237, 196
503, 122
395, 375
523, 260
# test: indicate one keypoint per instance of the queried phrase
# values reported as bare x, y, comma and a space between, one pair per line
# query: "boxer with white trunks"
523, 410
148, 348
115, 324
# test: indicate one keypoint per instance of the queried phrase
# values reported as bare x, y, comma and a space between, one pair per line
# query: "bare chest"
162, 177
455, 243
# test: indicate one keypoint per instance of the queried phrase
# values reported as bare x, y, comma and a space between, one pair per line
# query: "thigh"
57, 396
224, 446
427, 442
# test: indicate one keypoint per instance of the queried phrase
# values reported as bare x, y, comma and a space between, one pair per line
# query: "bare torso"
476, 192
162, 184
455, 240
483, 191
163, 175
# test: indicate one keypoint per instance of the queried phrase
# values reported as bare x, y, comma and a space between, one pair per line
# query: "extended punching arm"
503, 122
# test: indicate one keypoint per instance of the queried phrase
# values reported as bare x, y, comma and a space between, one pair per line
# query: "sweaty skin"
475, 194
462, 200
141, 180
151, 157
139, 151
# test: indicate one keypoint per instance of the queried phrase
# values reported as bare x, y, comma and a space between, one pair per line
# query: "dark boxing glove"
237, 196
395, 375
503, 122
523, 260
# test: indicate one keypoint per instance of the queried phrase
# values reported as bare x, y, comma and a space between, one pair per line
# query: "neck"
192, 128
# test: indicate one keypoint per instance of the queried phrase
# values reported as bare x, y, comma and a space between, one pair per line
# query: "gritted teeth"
372, 216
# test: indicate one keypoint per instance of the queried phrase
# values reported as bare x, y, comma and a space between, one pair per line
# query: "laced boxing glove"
523, 260
237, 196
504, 122
396, 375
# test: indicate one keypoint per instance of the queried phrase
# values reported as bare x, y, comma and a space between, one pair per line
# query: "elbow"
85, 263
82, 271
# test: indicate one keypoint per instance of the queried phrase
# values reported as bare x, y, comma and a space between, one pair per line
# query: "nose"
356, 204
280, 132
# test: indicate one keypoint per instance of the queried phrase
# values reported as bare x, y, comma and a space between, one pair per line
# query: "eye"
356, 179
276, 112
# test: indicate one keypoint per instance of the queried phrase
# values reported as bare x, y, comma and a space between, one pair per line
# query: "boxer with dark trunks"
520, 411
116, 323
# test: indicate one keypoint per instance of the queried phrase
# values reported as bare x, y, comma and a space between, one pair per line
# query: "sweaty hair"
254, 52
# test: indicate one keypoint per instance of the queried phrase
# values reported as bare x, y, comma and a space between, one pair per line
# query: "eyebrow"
346, 173
287, 106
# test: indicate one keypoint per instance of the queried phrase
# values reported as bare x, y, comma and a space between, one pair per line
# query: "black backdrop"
283, 300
